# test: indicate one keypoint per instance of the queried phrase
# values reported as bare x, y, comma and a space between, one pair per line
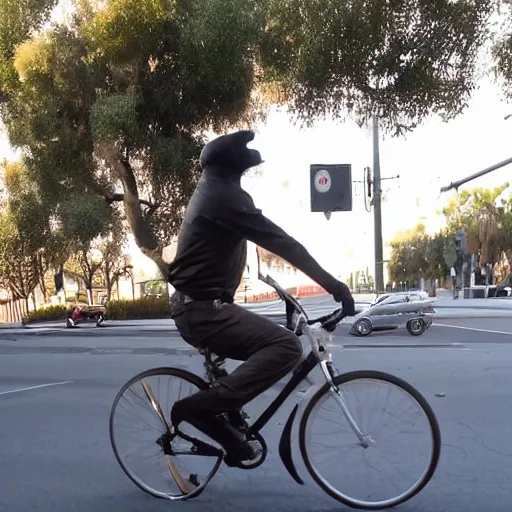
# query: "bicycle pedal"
193, 479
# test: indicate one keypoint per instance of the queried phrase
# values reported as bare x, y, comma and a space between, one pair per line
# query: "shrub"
45, 313
139, 309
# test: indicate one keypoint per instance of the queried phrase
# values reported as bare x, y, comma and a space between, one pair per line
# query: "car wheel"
416, 326
363, 327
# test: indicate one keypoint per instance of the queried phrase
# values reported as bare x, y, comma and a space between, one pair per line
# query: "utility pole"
377, 212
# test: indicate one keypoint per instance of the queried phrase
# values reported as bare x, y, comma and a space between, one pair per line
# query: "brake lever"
333, 323
337, 318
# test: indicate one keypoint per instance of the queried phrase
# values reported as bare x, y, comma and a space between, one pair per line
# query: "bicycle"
166, 439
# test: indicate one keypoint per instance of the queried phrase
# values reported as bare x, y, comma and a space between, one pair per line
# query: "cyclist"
208, 267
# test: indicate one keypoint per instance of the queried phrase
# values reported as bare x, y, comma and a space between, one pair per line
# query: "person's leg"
269, 351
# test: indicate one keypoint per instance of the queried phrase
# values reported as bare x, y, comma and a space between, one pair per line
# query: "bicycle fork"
334, 391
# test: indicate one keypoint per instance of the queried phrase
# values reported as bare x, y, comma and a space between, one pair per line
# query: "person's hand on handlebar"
342, 294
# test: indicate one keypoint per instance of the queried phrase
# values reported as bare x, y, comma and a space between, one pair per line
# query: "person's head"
229, 153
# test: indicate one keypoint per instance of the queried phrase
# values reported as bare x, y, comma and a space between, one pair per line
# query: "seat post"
214, 367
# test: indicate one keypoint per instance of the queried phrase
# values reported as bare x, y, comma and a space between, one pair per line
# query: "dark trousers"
269, 352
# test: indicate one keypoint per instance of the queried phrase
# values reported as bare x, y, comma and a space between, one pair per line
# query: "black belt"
204, 297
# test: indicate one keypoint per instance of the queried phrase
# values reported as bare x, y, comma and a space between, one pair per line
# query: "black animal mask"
229, 153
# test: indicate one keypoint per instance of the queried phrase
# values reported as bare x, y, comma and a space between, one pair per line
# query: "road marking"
36, 387
367, 346
490, 331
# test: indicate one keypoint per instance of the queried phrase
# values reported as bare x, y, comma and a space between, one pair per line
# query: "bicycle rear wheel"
324, 423
161, 461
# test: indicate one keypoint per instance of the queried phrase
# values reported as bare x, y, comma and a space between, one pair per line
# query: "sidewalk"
10, 325
496, 303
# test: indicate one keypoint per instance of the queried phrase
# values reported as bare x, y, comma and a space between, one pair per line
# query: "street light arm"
457, 184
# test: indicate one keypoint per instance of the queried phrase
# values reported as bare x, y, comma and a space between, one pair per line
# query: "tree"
18, 262
408, 255
436, 263
99, 260
416, 255
117, 104
401, 60
477, 214
31, 219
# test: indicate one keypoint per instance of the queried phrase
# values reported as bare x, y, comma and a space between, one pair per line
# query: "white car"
392, 310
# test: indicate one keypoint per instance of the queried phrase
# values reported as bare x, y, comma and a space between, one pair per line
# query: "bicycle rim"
379, 482
160, 463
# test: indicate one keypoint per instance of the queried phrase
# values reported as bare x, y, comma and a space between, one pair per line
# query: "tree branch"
112, 198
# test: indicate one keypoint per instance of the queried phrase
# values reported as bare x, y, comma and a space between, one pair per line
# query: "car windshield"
396, 298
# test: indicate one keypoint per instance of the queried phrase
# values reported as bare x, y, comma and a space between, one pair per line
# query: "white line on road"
490, 331
35, 387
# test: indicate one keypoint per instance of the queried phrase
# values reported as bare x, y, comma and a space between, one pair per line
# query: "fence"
296, 291
13, 310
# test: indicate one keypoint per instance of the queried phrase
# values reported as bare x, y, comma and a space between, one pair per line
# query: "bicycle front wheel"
157, 458
400, 449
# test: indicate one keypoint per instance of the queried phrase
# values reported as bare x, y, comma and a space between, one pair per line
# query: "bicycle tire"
175, 372
405, 386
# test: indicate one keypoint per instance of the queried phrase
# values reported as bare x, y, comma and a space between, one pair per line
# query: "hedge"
139, 309
46, 313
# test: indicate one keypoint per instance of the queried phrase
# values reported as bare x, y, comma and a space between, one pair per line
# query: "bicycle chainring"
259, 446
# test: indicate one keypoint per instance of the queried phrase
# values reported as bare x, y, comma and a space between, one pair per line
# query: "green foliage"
45, 314
115, 116
17, 20
476, 212
402, 60
18, 262
416, 255
450, 252
145, 308
485, 221
84, 218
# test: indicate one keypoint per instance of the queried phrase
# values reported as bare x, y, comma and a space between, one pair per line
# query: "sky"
432, 156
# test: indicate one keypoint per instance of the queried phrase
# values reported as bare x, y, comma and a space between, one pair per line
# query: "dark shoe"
235, 445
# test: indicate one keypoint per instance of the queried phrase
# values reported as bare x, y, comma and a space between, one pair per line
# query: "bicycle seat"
211, 356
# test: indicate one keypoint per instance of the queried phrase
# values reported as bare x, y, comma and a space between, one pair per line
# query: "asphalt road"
56, 455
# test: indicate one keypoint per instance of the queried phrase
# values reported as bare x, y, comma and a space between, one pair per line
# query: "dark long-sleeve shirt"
212, 245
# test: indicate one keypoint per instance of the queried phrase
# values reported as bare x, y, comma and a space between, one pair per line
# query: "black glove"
342, 294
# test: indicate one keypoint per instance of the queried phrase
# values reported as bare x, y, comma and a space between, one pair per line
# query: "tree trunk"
41, 271
144, 238
10, 311
108, 280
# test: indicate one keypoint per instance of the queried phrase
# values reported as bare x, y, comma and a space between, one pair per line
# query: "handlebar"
328, 322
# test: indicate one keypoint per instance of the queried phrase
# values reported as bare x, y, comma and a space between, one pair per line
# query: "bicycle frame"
319, 355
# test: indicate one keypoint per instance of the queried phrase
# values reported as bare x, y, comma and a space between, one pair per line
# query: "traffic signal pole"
377, 212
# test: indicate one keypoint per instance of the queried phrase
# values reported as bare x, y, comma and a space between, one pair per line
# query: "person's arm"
245, 219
